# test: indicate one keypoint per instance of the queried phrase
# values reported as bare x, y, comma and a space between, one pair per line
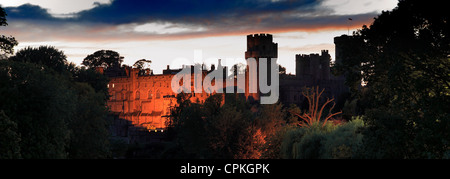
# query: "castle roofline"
260, 35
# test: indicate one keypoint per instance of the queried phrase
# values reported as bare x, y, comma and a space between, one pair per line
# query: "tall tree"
142, 65
89, 128
404, 59
6, 43
59, 108
103, 58
9, 138
43, 55
40, 102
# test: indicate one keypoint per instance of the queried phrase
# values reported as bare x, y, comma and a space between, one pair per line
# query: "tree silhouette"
60, 109
404, 59
6, 43
9, 138
103, 58
142, 65
43, 55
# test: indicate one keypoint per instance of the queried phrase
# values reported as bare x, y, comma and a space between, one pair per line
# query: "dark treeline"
50, 108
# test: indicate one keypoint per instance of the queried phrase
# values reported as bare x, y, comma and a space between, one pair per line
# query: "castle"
145, 99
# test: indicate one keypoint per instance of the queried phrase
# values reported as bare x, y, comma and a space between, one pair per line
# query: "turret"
259, 46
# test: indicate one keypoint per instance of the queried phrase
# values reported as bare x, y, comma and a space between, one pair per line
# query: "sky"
165, 31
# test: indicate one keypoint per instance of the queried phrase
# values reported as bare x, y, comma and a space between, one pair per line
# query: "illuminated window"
158, 94
138, 95
150, 94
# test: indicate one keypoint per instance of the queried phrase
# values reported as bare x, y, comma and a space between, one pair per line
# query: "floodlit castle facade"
145, 99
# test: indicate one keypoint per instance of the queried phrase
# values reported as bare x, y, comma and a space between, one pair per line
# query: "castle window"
138, 95
150, 94
158, 94
118, 96
113, 96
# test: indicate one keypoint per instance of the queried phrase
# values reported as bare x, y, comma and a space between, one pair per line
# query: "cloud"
177, 19
194, 12
28, 11
202, 12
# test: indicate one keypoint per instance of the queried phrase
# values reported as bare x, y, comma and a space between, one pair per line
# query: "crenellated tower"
313, 66
259, 46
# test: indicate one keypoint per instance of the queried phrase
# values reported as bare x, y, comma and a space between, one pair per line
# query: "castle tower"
344, 45
313, 66
339, 43
259, 46
324, 65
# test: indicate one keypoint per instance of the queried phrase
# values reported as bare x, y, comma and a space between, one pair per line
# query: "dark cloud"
187, 11
218, 17
194, 11
28, 11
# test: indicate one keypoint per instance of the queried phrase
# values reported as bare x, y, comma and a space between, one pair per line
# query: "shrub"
327, 142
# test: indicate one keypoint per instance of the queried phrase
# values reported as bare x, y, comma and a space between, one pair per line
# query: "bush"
328, 142
344, 142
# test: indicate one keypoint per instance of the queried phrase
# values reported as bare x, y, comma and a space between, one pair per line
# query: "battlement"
260, 35
261, 46
305, 56
313, 65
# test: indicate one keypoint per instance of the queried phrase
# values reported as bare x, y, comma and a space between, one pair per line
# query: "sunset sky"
163, 30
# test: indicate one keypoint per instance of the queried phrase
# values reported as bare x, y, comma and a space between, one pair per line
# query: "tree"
6, 43
39, 101
217, 130
404, 59
59, 114
142, 65
9, 138
89, 129
103, 58
90, 76
47, 56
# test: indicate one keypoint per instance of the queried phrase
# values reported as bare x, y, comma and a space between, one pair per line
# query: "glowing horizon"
299, 27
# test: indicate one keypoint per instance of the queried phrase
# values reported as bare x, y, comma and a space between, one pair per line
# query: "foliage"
46, 56
323, 142
103, 58
39, 102
96, 80
223, 130
57, 111
404, 59
6, 43
345, 141
272, 147
142, 64
89, 129
9, 138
